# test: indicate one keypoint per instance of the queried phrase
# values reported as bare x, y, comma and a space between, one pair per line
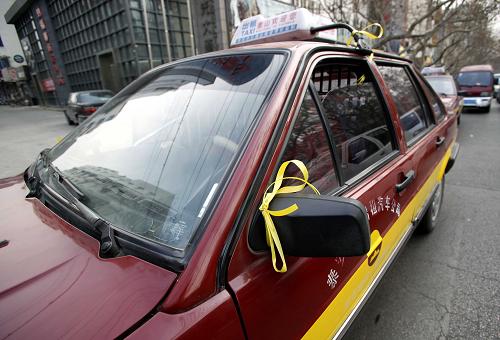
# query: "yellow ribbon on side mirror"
272, 238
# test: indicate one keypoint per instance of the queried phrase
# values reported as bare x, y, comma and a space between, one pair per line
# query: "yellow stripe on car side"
331, 320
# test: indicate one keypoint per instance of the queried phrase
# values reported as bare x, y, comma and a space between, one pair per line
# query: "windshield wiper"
109, 247
33, 180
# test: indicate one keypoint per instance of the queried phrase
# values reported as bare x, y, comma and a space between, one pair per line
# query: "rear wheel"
429, 221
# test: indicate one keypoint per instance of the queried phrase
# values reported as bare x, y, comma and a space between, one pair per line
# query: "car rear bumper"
477, 101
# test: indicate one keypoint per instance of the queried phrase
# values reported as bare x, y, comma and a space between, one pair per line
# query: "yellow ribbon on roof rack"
272, 238
366, 33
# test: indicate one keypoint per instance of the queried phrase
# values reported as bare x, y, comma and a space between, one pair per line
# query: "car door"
318, 297
426, 141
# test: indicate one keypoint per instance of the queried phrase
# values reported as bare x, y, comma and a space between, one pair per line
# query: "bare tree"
436, 32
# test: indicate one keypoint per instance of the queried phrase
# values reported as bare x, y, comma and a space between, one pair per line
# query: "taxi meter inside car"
256, 192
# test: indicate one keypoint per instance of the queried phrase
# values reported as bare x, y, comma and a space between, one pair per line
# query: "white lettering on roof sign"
293, 25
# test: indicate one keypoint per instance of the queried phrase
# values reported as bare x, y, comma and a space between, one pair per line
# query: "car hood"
53, 284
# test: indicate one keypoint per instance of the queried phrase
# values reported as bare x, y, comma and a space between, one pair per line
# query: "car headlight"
485, 94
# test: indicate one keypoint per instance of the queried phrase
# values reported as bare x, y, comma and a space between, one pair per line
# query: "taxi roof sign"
293, 25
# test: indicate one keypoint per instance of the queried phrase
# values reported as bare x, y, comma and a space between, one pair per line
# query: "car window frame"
428, 112
346, 185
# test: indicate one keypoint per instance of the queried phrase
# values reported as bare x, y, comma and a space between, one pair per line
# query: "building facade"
76, 45
96, 44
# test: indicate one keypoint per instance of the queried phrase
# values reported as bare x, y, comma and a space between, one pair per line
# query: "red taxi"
154, 218
444, 85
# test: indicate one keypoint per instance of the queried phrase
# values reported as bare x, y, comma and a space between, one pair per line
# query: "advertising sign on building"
5, 74
18, 58
21, 74
9, 74
55, 70
25, 44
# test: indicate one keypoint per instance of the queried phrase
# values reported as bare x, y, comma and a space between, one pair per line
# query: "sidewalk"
32, 107
24, 132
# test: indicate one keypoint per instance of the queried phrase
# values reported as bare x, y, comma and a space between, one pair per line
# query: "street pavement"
24, 132
444, 285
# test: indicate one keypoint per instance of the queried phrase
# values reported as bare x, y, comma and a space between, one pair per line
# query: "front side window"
410, 111
151, 160
355, 115
309, 143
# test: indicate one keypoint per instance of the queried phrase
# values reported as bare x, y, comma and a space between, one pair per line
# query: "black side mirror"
323, 226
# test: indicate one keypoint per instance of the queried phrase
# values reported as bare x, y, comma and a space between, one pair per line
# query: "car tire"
430, 219
487, 109
458, 119
70, 122
498, 99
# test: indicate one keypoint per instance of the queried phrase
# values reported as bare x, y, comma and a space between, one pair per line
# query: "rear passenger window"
308, 143
410, 111
355, 115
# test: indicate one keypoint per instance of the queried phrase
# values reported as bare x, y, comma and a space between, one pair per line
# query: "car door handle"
409, 177
440, 141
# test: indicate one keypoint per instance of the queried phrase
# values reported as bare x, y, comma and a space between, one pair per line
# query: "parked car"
84, 103
446, 88
151, 220
496, 87
475, 84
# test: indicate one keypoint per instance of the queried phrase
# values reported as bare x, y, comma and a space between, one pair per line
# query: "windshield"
94, 97
151, 160
443, 85
475, 78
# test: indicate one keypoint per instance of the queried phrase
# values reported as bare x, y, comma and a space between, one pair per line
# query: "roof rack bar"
335, 26
342, 46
